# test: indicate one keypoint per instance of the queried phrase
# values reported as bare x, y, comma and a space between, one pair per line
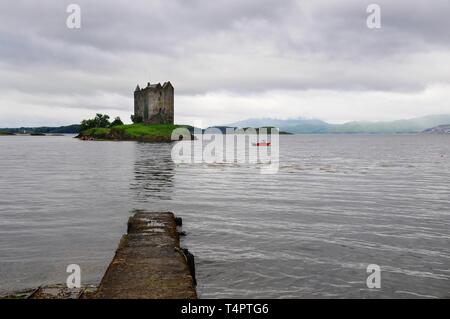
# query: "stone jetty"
149, 262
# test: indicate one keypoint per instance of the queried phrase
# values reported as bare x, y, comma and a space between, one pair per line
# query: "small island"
2, 133
156, 133
153, 118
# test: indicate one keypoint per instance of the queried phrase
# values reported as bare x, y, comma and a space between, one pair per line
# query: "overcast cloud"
227, 59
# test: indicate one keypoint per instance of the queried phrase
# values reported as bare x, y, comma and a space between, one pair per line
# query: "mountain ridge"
309, 126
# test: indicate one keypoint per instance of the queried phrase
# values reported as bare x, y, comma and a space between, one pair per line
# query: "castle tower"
155, 103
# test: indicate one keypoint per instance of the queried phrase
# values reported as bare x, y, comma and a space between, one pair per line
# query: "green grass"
97, 132
133, 132
141, 130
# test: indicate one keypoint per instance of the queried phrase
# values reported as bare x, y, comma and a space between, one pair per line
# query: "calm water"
338, 204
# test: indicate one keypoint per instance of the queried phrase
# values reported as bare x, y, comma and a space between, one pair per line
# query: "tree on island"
117, 121
99, 120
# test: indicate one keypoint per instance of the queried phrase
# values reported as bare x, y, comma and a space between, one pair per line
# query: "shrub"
136, 119
117, 121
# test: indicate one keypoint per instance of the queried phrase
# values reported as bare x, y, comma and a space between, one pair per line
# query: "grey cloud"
236, 46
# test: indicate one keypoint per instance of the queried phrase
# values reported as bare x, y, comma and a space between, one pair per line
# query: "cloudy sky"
227, 59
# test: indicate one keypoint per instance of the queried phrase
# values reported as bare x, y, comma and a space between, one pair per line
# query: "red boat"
262, 144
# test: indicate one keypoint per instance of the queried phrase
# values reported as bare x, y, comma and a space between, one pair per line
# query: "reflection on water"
337, 204
153, 172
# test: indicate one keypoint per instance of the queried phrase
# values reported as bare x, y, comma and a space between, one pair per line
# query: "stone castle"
154, 103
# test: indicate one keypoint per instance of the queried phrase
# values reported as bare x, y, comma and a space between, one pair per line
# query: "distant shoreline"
161, 134
67, 129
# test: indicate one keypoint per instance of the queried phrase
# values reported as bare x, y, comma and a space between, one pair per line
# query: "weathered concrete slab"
57, 291
149, 262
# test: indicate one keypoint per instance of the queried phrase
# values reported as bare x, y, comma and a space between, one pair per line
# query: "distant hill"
70, 129
301, 125
441, 129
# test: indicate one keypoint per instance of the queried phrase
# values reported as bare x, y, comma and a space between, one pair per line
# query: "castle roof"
166, 84
154, 86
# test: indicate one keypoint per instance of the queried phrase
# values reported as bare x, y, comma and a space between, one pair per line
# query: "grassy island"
132, 132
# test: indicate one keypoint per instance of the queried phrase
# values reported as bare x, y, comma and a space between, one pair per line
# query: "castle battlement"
154, 103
